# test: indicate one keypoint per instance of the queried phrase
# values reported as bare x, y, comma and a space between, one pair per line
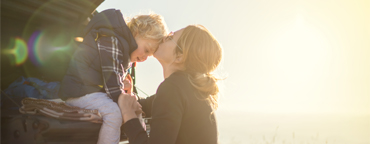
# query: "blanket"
59, 110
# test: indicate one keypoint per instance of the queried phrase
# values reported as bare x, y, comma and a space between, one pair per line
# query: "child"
93, 77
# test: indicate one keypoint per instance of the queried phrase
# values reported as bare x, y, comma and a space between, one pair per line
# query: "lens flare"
31, 47
38, 49
18, 54
45, 48
54, 41
79, 39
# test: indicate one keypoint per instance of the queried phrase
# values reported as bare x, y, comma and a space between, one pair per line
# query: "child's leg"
112, 119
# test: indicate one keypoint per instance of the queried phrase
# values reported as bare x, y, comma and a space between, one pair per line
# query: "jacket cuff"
115, 96
133, 128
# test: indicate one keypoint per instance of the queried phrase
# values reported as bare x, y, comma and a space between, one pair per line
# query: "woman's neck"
167, 71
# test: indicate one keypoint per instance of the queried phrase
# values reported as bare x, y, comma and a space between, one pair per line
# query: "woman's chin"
155, 55
159, 60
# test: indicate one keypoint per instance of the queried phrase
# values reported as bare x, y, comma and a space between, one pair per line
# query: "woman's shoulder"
175, 80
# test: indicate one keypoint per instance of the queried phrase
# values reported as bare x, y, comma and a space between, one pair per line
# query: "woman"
183, 108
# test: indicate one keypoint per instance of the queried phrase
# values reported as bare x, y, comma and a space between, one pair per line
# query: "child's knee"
118, 117
114, 117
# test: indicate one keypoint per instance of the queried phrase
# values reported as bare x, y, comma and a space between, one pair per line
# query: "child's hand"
127, 85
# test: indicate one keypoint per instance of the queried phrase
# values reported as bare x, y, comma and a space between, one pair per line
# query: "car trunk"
38, 38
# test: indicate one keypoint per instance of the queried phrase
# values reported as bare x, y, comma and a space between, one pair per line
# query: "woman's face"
166, 50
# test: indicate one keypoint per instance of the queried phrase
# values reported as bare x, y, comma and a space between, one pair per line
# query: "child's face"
145, 48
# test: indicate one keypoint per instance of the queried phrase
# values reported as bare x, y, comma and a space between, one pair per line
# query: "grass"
276, 139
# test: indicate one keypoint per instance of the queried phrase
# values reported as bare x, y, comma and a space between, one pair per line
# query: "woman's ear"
179, 62
179, 58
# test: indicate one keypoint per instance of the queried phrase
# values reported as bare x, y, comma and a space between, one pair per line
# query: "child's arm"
111, 65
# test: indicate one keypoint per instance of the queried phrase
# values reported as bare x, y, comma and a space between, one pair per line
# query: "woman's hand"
129, 106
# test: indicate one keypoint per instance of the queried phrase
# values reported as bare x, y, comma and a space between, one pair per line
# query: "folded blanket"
59, 110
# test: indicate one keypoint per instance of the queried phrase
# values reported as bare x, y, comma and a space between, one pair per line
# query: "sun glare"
300, 48
298, 53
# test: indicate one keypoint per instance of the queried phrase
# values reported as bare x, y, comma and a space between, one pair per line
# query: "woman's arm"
146, 104
167, 113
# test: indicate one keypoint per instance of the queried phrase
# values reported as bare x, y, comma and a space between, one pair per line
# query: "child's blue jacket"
96, 63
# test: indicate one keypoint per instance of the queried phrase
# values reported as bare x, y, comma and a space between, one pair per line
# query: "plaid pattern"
111, 59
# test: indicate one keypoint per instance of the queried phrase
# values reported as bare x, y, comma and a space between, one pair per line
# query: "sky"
286, 56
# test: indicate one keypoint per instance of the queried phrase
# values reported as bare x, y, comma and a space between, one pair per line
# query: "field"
254, 128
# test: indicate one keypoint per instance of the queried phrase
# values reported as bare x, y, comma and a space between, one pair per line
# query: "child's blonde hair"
151, 26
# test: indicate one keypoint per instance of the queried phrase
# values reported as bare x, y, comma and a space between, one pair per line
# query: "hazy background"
297, 71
